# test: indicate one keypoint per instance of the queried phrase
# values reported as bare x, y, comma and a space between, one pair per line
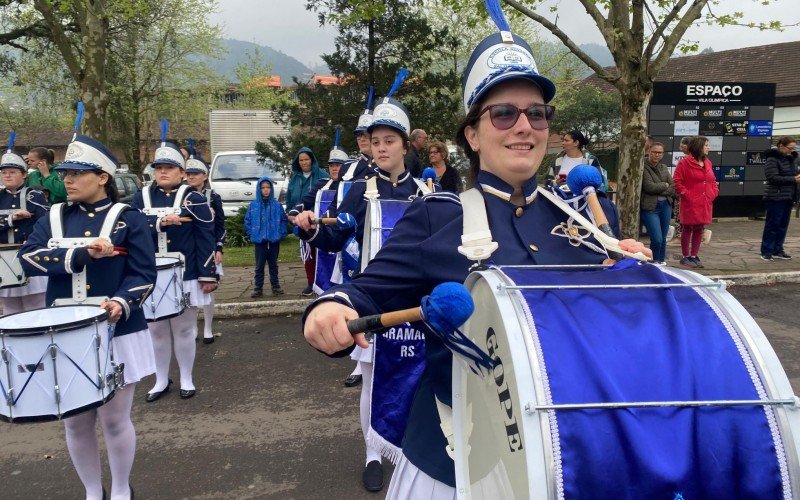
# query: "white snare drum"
11, 274
168, 298
56, 362
381, 217
662, 388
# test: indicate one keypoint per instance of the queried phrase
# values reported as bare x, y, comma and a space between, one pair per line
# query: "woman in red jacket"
697, 186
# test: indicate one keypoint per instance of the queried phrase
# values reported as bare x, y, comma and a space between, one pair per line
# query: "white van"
234, 175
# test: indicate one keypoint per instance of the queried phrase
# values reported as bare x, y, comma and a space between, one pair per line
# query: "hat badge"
385, 112
508, 56
74, 151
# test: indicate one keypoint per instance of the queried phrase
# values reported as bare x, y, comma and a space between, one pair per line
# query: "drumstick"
120, 250
447, 307
586, 179
327, 221
429, 175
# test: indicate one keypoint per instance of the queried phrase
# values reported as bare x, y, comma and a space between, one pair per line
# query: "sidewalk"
734, 250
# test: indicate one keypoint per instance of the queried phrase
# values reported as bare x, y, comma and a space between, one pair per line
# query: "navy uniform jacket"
220, 234
195, 240
362, 167
35, 203
125, 279
333, 239
421, 252
309, 199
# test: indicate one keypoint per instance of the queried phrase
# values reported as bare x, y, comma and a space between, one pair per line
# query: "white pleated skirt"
136, 351
196, 296
219, 270
363, 355
410, 483
36, 284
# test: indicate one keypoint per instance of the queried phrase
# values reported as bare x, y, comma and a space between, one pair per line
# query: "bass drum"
635, 381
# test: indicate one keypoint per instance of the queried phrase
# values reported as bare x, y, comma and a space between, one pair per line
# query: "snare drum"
630, 382
168, 298
56, 362
11, 274
380, 219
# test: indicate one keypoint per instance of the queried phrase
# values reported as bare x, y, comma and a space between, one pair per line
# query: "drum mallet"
429, 175
447, 308
586, 179
342, 221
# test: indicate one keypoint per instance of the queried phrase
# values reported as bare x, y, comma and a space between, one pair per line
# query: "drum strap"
446, 424
422, 185
23, 205
476, 240
179, 194
372, 188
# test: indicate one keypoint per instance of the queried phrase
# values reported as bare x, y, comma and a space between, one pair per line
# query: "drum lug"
58, 397
117, 377
530, 409
4, 354
53, 351
10, 397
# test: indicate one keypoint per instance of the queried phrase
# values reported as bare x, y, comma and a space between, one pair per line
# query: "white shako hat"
168, 153
390, 112
10, 159
337, 154
499, 57
365, 119
193, 164
85, 153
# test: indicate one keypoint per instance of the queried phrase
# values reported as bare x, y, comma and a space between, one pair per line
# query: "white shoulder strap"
422, 185
148, 203
23, 198
56, 221
372, 188
476, 240
111, 220
179, 195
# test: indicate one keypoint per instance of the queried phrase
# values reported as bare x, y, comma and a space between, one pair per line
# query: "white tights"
366, 390
182, 330
12, 305
208, 318
120, 438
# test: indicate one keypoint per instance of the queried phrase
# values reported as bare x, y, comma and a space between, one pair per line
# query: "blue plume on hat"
190, 147
12, 136
164, 129
78, 119
496, 13
429, 173
370, 96
338, 136
402, 74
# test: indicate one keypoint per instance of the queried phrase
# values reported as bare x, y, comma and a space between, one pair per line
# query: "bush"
234, 226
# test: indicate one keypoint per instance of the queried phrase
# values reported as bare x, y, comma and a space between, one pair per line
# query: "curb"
258, 308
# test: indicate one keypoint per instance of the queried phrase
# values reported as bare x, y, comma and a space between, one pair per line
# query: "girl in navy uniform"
505, 136
29, 205
197, 177
389, 136
196, 242
126, 277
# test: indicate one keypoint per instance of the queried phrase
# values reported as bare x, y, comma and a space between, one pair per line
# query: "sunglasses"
504, 116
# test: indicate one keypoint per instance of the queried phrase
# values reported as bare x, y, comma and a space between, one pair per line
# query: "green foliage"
234, 227
587, 109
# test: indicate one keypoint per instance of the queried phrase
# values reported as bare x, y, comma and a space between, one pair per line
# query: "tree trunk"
371, 52
631, 157
93, 82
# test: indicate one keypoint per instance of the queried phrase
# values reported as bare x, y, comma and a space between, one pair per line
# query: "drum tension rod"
714, 284
530, 408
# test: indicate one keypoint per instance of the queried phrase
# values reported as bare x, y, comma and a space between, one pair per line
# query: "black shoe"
208, 340
276, 290
352, 381
782, 256
155, 396
373, 476
697, 262
256, 293
688, 262
187, 394
308, 292
766, 257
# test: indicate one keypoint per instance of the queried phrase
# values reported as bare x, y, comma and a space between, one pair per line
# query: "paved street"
271, 419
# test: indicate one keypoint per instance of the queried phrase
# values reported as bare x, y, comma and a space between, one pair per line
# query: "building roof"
775, 63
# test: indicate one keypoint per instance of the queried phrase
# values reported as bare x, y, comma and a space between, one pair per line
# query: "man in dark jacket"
780, 192
419, 139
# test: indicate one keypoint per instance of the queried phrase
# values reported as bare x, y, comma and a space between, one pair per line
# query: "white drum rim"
32, 419
5, 247
169, 264
100, 316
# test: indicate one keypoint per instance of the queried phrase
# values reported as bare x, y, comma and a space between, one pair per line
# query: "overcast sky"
285, 25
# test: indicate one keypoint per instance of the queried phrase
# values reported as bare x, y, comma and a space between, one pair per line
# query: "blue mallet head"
429, 173
345, 221
583, 176
447, 307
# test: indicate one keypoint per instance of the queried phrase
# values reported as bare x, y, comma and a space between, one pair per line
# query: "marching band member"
121, 268
389, 143
27, 206
505, 135
363, 164
197, 177
195, 241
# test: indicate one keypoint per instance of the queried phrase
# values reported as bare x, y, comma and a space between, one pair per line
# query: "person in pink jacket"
697, 187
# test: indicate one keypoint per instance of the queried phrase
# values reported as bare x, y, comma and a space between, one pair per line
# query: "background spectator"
446, 176
265, 224
572, 155
696, 184
780, 191
419, 139
658, 189
41, 159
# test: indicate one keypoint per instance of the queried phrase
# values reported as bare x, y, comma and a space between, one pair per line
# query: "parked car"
127, 185
234, 175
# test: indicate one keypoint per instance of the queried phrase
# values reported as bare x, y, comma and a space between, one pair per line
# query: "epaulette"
442, 196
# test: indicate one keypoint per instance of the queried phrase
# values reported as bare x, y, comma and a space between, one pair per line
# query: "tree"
585, 108
641, 35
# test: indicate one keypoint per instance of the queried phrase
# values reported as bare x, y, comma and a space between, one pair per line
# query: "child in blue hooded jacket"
265, 224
